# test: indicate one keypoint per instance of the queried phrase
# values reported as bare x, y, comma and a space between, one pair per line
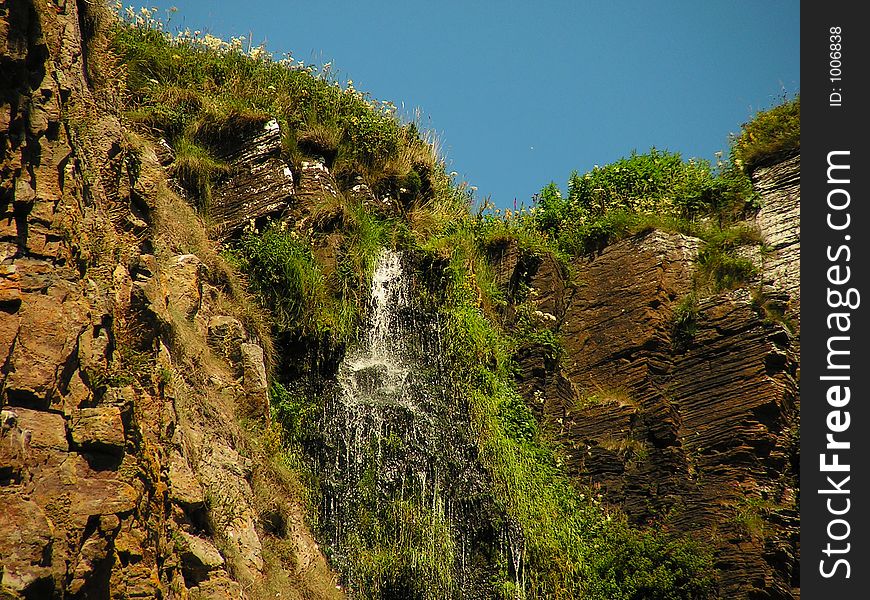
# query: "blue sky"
522, 93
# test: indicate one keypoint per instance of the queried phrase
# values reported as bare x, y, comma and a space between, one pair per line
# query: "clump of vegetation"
771, 133
627, 196
684, 322
720, 267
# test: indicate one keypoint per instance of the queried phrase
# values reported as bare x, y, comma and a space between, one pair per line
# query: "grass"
769, 134
684, 322
196, 169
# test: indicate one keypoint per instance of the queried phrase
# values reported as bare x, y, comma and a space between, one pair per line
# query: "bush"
611, 202
283, 272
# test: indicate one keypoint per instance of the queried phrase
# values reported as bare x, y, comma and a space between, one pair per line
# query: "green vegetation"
198, 91
770, 133
684, 322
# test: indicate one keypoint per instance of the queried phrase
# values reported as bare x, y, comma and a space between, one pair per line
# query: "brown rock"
41, 431
184, 488
87, 492
100, 429
183, 279
26, 537
260, 184
49, 327
198, 554
677, 437
217, 587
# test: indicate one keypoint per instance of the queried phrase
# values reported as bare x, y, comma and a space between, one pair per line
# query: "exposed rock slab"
692, 439
780, 226
260, 184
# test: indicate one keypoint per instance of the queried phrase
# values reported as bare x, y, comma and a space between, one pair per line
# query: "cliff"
128, 361
167, 434
698, 437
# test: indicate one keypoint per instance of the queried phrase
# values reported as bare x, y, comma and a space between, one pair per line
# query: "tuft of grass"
770, 134
196, 169
604, 396
684, 322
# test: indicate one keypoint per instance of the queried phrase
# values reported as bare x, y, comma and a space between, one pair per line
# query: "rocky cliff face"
127, 360
135, 445
695, 436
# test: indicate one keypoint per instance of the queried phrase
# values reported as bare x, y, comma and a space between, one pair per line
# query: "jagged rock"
218, 587
25, 547
86, 492
130, 542
99, 428
82, 293
225, 335
183, 278
40, 431
316, 183
222, 473
49, 325
254, 374
88, 574
260, 184
198, 554
184, 488
136, 581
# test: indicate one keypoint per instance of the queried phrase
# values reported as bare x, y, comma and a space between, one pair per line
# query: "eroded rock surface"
259, 185
123, 470
695, 432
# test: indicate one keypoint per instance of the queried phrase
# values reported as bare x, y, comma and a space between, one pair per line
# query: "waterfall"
375, 374
398, 468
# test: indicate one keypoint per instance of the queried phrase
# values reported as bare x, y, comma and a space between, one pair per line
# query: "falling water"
375, 374
394, 433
